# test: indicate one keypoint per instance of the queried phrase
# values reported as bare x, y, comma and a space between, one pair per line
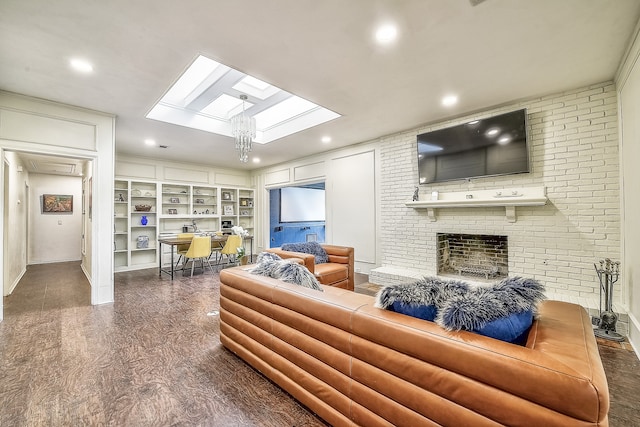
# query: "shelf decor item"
144, 220
142, 242
142, 208
174, 200
226, 195
228, 209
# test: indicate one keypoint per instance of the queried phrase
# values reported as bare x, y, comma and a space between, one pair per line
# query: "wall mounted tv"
492, 146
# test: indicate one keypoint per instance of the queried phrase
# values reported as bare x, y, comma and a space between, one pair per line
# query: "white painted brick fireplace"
573, 143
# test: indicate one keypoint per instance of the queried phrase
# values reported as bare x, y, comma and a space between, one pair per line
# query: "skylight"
207, 96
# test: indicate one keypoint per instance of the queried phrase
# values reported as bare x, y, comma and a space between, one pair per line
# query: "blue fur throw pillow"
312, 248
420, 299
503, 310
271, 265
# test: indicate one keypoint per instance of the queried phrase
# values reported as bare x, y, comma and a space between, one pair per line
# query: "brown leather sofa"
354, 364
338, 272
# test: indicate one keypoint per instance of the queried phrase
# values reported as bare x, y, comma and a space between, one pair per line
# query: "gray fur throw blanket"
313, 248
271, 265
456, 305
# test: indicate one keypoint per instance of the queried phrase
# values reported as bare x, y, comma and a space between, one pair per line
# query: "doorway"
26, 178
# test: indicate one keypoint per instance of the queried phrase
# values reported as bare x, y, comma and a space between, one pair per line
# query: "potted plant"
241, 256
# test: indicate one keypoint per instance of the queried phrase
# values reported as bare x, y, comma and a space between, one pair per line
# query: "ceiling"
489, 54
50, 165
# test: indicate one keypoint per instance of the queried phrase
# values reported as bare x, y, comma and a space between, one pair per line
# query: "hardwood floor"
153, 358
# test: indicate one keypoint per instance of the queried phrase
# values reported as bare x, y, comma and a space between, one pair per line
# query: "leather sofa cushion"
331, 272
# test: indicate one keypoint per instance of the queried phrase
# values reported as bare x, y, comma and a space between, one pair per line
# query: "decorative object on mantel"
608, 273
416, 195
243, 129
530, 196
142, 208
514, 193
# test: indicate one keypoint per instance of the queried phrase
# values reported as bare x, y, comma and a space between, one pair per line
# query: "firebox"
473, 255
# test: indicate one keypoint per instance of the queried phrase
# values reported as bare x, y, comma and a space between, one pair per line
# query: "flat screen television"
492, 146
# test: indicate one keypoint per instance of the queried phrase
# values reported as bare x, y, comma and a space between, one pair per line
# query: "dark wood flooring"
153, 358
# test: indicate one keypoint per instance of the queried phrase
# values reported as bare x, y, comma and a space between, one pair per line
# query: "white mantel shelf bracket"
508, 198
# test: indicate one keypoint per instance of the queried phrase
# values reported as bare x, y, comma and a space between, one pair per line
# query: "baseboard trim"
86, 273
15, 282
634, 333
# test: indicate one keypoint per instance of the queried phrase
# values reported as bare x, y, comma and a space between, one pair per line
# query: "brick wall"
573, 143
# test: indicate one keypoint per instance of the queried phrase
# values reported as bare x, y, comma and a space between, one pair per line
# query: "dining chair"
181, 250
216, 247
230, 248
200, 249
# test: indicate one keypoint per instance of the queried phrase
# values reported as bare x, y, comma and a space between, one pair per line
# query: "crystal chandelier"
243, 129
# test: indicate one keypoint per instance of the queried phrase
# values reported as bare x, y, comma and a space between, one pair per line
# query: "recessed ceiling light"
81, 65
149, 141
474, 122
386, 33
256, 160
504, 140
449, 100
326, 139
493, 132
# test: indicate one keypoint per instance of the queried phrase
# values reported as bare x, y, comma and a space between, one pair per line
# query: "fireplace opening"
477, 256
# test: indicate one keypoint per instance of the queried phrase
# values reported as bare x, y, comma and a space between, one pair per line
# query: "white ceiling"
50, 165
320, 50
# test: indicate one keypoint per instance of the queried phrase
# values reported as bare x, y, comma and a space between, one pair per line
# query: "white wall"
15, 234
351, 186
54, 237
629, 92
352, 196
574, 153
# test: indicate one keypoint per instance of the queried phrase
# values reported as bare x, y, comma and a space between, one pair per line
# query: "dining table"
174, 241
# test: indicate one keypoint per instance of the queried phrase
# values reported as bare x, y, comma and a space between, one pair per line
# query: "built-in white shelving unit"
172, 207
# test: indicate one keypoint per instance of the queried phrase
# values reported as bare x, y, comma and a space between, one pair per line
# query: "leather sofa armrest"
339, 254
308, 260
342, 255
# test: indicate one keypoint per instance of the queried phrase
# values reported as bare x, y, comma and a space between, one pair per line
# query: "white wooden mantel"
509, 198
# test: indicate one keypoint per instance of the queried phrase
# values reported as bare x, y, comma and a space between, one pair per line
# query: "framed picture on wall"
57, 203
